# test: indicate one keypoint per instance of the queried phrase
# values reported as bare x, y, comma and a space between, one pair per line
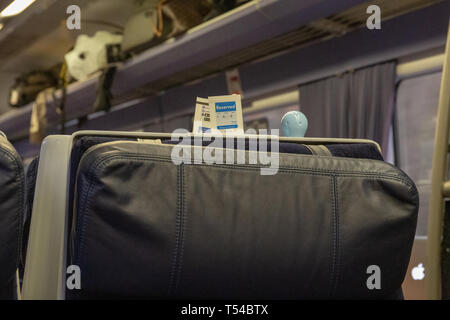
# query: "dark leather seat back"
12, 195
144, 227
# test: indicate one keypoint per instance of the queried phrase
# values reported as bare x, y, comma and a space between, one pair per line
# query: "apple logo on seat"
418, 273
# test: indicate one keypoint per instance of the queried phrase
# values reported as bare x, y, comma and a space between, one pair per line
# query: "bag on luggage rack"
27, 87
170, 18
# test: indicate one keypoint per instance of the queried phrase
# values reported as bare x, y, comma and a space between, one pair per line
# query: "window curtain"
357, 104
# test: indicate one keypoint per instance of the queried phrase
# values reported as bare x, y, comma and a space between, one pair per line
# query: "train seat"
12, 202
138, 225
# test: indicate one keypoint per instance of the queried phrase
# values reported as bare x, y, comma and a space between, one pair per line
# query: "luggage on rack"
164, 19
27, 87
144, 227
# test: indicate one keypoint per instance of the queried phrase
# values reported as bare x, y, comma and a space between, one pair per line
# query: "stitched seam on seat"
412, 190
337, 261
182, 228
99, 163
401, 177
306, 170
333, 238
177, 234
81, 224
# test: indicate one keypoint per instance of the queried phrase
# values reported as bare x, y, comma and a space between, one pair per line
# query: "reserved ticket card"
202, 117
226, 113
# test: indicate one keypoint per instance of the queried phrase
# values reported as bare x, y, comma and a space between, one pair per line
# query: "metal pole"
438, 176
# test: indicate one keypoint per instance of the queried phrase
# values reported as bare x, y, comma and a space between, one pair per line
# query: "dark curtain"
357, 104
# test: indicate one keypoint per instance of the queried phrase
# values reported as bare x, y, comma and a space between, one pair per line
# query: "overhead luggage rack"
270, 27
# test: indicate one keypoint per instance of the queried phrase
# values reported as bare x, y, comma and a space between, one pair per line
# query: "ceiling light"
16, 7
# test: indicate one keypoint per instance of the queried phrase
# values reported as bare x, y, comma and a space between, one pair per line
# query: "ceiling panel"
41, 39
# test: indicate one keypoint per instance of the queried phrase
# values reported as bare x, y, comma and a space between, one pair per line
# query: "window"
416, 108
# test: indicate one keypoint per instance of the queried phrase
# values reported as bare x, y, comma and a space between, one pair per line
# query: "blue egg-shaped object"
294, 124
